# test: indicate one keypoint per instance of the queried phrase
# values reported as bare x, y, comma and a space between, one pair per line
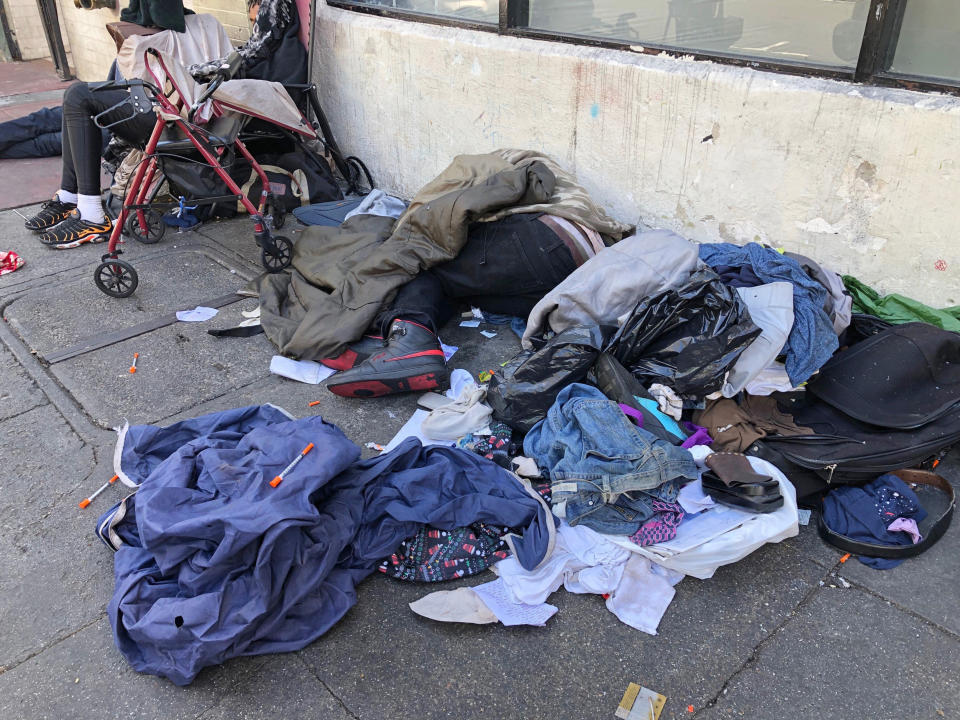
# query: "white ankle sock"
91, 208
67, 197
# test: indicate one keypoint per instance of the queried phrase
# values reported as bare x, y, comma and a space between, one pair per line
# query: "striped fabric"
582, 242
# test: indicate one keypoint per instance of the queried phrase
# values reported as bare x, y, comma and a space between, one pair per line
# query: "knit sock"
91, 208
67, 197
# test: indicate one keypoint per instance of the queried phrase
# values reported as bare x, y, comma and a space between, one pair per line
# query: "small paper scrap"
803, 516
470, 323
448, 351
488, 334
305, 371
640, 703
198, 314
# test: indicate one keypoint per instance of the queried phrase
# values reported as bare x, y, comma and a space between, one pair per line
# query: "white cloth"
467, 414
723, 535
584, 561
204, 39
771, 309
771, 379
667, 400
378, 203
460, 605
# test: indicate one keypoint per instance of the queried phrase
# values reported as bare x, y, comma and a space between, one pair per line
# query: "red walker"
118, 278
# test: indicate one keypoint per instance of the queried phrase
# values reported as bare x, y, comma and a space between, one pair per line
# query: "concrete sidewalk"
787, 632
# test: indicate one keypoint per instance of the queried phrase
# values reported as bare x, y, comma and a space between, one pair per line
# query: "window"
878, 41
928, 43
466, 10
808, 31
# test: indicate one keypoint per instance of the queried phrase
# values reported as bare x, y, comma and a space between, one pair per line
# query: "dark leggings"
82, 139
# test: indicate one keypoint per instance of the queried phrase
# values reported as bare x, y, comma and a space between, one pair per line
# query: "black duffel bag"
889, 402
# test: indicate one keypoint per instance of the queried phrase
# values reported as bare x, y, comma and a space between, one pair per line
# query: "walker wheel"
156, 227
116, 278
279, 256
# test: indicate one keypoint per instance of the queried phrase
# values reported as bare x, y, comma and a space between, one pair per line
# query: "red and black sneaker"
356, 353
411, 361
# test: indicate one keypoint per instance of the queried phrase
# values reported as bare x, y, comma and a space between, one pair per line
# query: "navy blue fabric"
812, 340
34, 136
863, 514
218, 564
330, 214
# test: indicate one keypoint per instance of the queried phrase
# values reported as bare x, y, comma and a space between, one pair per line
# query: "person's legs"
18, 135
82, 145
507, 266
41, 146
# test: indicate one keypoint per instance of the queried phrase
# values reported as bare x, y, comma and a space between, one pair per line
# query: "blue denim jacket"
606, 469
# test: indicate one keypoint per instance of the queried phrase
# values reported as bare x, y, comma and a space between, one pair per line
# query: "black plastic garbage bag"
686, 338
524, 389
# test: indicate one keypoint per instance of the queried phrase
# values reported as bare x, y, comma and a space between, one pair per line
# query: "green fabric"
898, 308
166, 14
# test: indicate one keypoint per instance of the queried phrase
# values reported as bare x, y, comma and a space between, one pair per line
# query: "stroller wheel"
155, 227
116, 278
279, 256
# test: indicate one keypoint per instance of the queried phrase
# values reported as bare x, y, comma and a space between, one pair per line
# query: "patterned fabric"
496, 446
273, 19
661, 527
9, 262
433, 555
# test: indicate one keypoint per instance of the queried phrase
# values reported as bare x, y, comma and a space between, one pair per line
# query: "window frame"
877, 48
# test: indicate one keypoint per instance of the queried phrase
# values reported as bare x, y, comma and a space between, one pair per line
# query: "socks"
91, 208
66, 197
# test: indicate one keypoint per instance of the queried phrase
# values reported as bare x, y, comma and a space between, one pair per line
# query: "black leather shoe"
411, 361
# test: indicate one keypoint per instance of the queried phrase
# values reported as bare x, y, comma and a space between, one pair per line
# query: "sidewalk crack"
326, 687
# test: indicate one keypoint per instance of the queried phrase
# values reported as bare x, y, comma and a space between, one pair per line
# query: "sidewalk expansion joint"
755, 652
326, 687
35, 653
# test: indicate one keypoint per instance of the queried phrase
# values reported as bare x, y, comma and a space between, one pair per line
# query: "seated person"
75, 214
506, 267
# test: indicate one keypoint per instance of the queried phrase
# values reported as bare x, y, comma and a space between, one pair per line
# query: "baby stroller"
209, 120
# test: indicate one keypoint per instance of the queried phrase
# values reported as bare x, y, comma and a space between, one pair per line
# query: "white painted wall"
865, 180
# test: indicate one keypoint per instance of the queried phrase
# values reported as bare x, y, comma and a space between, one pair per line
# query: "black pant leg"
84, 140
421, 300
507, 266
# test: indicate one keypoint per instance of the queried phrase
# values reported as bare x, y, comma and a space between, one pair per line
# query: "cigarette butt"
845, 558
313, 403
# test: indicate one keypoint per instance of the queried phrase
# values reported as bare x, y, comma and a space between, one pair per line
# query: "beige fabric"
261, 98
569, 200
205, 39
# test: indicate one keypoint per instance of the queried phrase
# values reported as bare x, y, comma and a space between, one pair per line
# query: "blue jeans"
33, 136
607, 470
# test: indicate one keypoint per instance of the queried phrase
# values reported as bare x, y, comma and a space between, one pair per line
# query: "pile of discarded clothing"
671, 407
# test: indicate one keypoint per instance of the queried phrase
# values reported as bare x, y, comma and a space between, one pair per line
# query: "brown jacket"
341, 277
